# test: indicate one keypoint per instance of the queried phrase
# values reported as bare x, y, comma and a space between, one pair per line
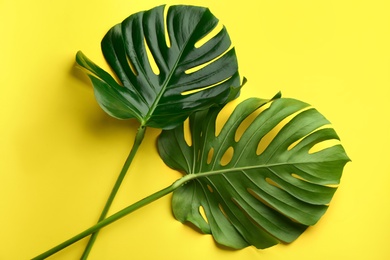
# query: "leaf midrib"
221, 171
167, 80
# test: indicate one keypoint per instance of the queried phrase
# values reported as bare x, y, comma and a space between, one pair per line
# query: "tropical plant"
166, 71
162, 89
258, 183
261, 179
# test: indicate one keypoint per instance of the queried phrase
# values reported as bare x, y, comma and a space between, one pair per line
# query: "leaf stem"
120, 214
137, 142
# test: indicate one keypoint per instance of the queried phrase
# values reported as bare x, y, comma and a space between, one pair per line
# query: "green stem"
137, 142
120, 214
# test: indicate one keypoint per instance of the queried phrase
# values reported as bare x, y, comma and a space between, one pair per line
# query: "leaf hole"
151, 59
192, 91
300, 139
272, 182
222, 116
203, 213
296, 176
227, 156
210, 188
210, 155
223, 211
211, 34
131, 65
201, 66
336, 185
323, 145
267, 138
249, 120
166, 33
187, 132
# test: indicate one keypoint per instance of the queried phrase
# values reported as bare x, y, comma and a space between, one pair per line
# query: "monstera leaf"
166, 65
263, 179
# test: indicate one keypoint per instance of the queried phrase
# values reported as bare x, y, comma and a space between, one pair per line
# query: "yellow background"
60, 154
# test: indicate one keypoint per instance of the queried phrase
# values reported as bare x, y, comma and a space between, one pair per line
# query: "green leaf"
259, 182
165, 71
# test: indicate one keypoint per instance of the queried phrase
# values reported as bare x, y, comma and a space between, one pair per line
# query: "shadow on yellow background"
60, 153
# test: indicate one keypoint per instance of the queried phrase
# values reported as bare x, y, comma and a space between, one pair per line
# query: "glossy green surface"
164, 69
255, 192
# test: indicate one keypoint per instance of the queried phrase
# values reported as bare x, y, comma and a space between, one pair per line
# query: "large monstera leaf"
165, 67
257, 183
